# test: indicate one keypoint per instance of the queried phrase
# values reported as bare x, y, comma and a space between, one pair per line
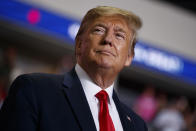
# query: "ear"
78, 46
129, 59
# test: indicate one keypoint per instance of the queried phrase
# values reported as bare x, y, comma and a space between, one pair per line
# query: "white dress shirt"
90, 90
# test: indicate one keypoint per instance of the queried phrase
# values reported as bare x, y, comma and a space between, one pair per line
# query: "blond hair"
132, 20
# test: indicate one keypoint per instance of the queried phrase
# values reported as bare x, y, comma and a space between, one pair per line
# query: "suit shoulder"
36, 80
39, 76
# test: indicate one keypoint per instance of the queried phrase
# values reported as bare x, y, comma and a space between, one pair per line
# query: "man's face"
105, 43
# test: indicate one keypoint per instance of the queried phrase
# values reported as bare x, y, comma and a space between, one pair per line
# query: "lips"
106, 52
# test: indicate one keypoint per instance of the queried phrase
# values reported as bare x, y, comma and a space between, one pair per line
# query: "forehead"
117, 22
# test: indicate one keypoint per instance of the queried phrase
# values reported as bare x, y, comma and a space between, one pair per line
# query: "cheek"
123, 48
95, 39
123, 53
86, 48
90, 44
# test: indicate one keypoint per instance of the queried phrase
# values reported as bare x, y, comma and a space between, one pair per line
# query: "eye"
99, 30
120, 36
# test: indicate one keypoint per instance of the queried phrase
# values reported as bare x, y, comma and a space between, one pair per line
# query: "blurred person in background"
171, 118
7, 65
146, 104
189, 117
84, 98
162, 100
192, 123
65, 64
2, 90
11, 58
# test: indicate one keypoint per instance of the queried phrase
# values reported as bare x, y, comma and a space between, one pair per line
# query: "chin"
105, 64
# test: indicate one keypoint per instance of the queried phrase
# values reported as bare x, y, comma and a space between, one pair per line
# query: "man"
82, 99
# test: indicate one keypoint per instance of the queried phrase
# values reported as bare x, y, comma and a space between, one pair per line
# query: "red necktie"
105, 121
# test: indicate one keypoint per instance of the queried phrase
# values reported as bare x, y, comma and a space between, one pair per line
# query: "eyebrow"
100, 25
117, 29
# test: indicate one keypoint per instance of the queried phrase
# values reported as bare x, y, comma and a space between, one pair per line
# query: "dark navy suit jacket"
45, 102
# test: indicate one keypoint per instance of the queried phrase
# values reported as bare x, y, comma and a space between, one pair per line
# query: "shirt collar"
90, 88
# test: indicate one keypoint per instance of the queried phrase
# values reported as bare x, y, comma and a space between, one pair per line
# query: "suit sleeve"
19, 110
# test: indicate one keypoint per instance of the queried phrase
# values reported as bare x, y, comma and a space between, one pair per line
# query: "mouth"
106, 52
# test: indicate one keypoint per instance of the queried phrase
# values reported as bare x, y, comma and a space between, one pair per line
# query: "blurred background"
160, 85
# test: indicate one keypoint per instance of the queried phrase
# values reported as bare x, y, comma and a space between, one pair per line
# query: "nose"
108, 39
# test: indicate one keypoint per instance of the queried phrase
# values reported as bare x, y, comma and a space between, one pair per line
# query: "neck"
101, 76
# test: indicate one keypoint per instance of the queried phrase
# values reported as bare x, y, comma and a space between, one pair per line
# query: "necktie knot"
102, 95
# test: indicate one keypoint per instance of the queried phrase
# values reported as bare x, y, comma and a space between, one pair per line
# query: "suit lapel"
75, 94
125, 118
